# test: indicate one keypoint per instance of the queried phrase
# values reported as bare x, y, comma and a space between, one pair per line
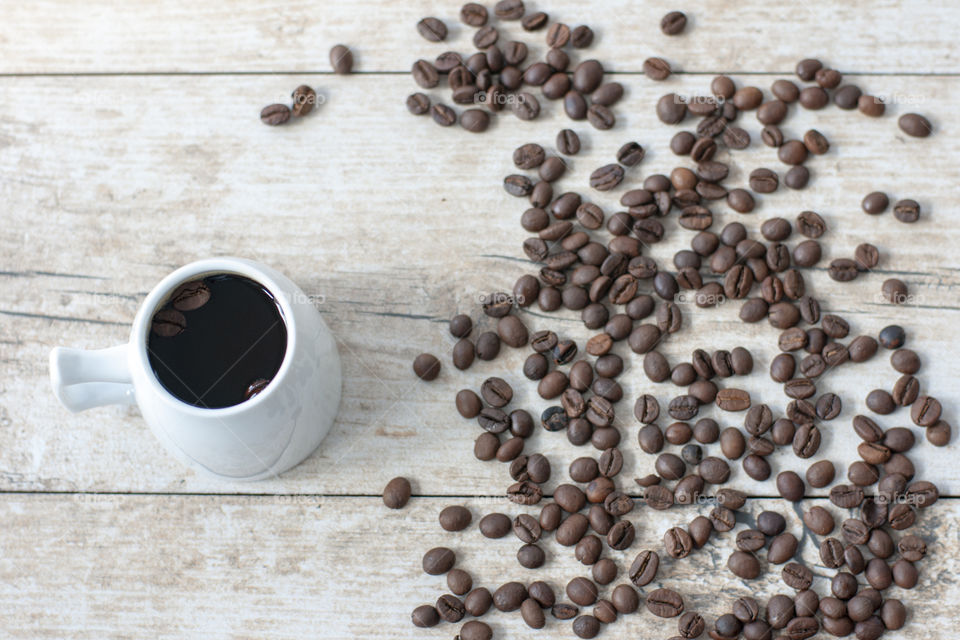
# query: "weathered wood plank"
183, 36
395, 224
251, 567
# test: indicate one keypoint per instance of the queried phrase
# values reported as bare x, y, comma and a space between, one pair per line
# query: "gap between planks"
318, 72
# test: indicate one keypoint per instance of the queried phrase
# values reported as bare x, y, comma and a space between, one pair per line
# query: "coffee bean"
432, 29
586, 626
671, 109
733, 399
443, 115
656, 68
426, 366
664, 603
875, 202
475, 120
914, 124
525, 492
782, 548
907, 211
455, 518
797, 576
797, 177
425, 616
744, 565
846, 496
871, 106
275, 114
526, 106
925, 411
658, 497
568, 142
509, 9
813, 98
606, 177
509, 596
438, 561
790, 486
418, 104
304, 100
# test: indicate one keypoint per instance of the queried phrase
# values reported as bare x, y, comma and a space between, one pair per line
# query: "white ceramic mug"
259, 438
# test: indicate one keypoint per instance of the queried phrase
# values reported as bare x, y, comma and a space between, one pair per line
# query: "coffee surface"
217, 341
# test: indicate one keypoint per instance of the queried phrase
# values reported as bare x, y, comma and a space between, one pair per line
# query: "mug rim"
259, 273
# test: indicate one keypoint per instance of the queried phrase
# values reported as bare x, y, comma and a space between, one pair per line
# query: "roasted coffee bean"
581, 37
846, 496
797, 177
782, 547
425, 616
621, 535
606, 177
815, 142
797, 576
275, 114
418, 104
486, 446
665, 603
526, 106
438, 561
790, 486
455, 518
432, 29
304, 100
658, 497
772, 136
671, 108
656, 68
875, 202
746, 609
733, 399
757, 467
925, 411
751, 540
722, 518
907, 211
630, 154
677, 542
525, 492
397, 493
601, 117
813, 98
459, 582
425, 74
914, 124
743, 565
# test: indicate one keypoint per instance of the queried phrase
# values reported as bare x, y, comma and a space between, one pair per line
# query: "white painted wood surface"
108, 182
306, 566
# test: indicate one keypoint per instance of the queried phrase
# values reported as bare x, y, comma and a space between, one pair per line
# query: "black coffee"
217, 341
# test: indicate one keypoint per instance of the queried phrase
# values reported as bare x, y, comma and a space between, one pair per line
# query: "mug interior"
161, 294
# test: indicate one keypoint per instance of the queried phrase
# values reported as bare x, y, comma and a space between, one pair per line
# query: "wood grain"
394, 224
282, 567
245, 35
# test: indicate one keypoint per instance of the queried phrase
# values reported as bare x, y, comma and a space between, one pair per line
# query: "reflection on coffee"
217, 341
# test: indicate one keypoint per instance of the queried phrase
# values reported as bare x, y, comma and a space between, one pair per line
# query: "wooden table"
130, 145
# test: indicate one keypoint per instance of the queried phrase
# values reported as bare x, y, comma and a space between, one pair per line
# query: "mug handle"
85, 379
